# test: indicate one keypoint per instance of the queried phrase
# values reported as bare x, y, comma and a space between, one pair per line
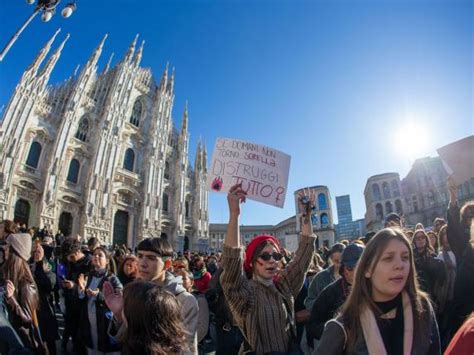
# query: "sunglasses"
267, 256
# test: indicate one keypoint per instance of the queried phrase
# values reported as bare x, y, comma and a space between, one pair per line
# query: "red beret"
258, 240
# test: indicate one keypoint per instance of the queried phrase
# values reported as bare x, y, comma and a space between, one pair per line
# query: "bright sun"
411, 140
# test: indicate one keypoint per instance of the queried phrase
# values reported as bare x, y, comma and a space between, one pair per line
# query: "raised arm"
295, 273
235, 197
455, 234
234, 282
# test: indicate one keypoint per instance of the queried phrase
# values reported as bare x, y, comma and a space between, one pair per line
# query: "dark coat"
429, 271
46, 280
459, 241
103, 314
21, 316
333, 341
325, 307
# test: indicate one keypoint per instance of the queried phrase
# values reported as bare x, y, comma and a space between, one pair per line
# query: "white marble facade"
99, 155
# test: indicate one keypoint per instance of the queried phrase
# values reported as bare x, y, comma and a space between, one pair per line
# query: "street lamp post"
48, 8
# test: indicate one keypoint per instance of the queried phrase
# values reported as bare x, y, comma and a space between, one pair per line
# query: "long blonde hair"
361, 291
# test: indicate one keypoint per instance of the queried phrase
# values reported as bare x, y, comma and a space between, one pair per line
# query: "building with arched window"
381, 193
418, 197
99, 155
321, 215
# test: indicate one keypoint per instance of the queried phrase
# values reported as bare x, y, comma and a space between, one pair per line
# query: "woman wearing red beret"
261, 302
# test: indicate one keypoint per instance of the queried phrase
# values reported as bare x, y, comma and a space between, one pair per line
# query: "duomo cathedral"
99, 155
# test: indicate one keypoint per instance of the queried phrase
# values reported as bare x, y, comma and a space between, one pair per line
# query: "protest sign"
262, 171
458, 157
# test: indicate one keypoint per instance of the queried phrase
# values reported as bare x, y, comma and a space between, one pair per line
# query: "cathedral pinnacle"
33, 68
48, 68
170, 85
107, 67
184, 127
92, 62
164, 77
138, 56
130, 51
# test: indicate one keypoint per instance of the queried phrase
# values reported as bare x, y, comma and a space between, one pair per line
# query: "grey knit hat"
21, 243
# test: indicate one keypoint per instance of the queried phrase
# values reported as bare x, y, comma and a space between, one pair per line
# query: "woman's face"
266, 269
99, 260
130, 268
432, 239
390, 274
420, 241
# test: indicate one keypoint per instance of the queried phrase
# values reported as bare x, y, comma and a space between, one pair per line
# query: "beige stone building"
100, 156
382, 196
321, 216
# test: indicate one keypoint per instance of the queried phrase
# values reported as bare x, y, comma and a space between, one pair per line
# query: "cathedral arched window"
129, 160
186, 208
83, 129
136, 113
324, 220
376, 192
398, 207
395, 188
322, 201
165, 203
167, 170
34, 155
386, 190
388, 207
73, 173
379, 211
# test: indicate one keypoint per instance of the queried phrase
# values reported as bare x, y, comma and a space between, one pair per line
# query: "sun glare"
411, 140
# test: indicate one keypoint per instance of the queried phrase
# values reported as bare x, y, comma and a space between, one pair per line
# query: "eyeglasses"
267, 256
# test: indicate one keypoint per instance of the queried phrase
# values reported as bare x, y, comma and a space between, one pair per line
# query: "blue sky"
327, 82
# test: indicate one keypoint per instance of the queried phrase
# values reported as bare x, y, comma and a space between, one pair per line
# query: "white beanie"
21, 243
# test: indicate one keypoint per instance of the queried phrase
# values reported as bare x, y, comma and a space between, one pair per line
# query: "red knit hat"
258, 240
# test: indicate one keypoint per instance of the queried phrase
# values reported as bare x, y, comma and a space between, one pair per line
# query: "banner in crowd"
263, 171
458, 159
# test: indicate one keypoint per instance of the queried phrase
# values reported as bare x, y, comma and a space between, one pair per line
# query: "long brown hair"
154, 320
18, 272
361, 292
9, 227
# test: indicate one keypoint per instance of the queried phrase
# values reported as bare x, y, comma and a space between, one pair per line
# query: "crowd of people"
398, 291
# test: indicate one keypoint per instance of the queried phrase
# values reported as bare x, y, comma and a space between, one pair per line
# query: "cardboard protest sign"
458, 157
263, 171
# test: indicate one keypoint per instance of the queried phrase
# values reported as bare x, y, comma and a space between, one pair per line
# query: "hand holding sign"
262, 172
235, 197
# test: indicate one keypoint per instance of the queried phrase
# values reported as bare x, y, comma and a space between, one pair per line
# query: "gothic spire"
184, 127
170, 85
53, 59
107, 67
204, 157
76, 70
197, 162
130, 51
92, 62
138, 56
33, 68
164, 77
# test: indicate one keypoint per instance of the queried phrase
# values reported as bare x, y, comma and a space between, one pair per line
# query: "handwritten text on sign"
263, 171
